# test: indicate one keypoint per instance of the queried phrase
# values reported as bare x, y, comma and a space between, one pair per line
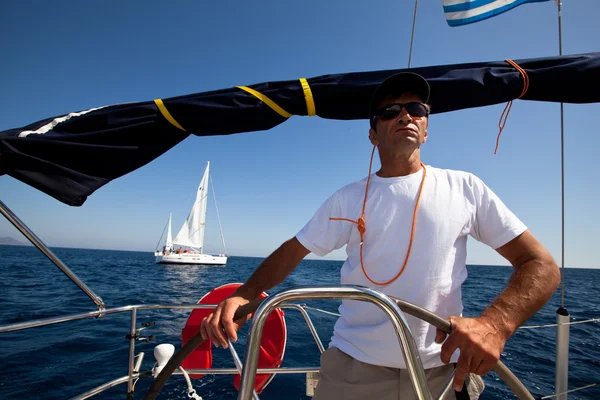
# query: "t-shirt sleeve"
321, 235
494, 225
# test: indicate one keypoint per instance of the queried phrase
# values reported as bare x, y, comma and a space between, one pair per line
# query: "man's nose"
404, 117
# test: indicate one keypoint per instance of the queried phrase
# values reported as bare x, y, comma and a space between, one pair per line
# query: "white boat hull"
190, 258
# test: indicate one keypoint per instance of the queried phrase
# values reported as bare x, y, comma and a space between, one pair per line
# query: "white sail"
169, 242
191, 233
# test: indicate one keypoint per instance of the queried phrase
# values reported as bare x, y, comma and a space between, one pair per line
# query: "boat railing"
37, 242
388, 306
249, 370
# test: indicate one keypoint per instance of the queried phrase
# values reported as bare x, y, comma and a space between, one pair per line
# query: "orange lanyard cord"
360, 223
504, 115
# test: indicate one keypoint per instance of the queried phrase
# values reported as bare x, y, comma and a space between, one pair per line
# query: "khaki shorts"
343, 377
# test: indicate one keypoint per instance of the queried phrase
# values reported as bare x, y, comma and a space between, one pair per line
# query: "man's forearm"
529, 288
274, 269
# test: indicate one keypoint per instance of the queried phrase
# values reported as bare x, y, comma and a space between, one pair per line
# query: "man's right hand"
219, 325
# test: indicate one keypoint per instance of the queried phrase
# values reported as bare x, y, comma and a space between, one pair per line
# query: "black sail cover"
70, 156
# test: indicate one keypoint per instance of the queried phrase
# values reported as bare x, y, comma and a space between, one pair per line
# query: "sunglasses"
414, 109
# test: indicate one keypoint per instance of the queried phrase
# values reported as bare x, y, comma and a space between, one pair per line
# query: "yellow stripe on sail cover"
310, 102
163, 110
267, 101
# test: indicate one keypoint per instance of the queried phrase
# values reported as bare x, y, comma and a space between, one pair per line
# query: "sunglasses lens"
416, 109
391, 111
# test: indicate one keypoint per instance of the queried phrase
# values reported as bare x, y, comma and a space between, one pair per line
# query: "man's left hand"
480, 347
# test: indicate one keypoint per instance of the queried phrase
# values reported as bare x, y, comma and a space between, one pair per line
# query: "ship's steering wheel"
502, 370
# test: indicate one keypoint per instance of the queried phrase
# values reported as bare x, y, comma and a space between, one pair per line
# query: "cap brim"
399, 83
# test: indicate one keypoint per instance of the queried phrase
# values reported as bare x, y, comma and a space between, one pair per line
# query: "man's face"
399, 132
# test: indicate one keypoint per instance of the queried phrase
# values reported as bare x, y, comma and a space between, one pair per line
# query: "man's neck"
400, 165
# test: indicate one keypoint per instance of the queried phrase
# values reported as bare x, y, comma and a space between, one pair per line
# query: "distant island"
8, 241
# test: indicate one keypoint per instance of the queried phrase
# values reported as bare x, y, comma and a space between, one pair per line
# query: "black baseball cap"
396, 85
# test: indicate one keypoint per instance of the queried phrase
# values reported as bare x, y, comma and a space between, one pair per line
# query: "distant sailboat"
190, 238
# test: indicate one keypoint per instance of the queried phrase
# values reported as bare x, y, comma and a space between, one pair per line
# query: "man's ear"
373, 137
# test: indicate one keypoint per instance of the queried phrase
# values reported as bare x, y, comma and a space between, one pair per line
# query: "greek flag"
463, 12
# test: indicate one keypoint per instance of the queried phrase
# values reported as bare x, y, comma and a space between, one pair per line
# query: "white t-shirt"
453, 204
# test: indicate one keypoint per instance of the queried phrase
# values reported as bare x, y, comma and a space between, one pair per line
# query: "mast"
204, 185
169, 242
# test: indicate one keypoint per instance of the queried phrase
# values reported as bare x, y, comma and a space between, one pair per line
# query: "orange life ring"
272, 344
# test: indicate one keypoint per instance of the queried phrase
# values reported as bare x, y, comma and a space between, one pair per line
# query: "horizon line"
263, 257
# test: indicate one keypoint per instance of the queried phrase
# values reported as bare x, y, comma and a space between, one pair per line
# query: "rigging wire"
161, 236
218, 218
568, 391
521, 327
412, 36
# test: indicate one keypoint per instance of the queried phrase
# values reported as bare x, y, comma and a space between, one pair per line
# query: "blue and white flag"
463, 12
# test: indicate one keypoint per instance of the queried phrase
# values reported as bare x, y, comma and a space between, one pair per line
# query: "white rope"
567, 323
569, 391
191, 392
318, 309
133, 386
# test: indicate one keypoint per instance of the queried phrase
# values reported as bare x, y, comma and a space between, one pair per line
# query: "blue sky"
71, 56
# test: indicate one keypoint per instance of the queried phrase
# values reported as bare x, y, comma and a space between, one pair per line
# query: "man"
405, 230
